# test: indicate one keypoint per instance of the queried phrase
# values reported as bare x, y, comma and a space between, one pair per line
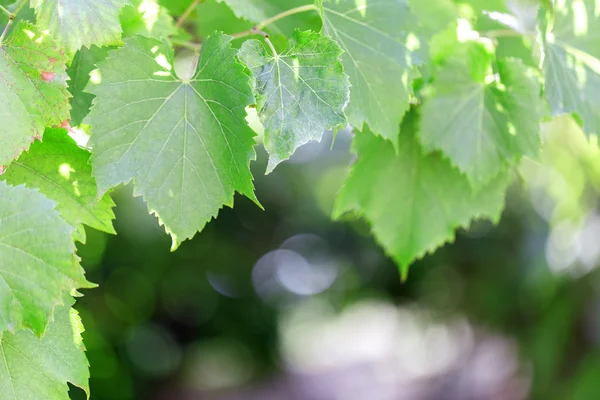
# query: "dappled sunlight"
580, 18
149, 9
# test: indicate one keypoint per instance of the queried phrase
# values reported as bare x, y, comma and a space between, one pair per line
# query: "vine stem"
264, 34
5, 10
258, 28
187, 13
11, 19
504, 33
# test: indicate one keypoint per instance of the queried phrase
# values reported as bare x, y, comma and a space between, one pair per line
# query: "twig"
5, 10
504, 33
188, 45
187, 13
264, 34
11, 20
255, 30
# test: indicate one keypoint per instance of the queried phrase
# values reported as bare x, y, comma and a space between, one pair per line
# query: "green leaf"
413, 201
147, 18
77, 23
84, 62
37, 259
572, 62
185, 143
59, 169
35, 368
33, 92
300, 93
377, 40
434, 15
482, 123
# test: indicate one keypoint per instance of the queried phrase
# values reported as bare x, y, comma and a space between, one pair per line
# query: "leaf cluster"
445, 99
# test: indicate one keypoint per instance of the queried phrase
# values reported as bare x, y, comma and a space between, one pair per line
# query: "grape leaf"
301, 93
33, 92
39, 368
59, 169
572, 62
77, 23
185, 143
377, 39
84, 62
147, 18
37, 259
413, 201
481, 123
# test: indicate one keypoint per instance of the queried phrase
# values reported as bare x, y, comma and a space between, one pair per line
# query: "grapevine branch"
5, 10
11, 19
255, 30
258, 28
187, 13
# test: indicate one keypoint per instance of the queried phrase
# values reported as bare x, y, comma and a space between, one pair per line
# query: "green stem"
11, 20
256, 29
188, 45
187, 13
504, 33
3, 9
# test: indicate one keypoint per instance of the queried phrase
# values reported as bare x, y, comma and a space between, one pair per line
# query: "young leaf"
77, 23
59, 169
378, 55
413, 201
84, 62
33, 92
185, 143
301, 93
572, 62
482, 124
39, 368
37, 259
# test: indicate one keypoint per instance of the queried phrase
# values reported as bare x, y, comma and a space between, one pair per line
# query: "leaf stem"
188, 45
5, 10
504, 33
187, 13
11, 19
266, 36
257, 28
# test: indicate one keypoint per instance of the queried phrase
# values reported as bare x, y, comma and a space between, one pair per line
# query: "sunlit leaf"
38, 265
378, 41
77, 23
184, 143
414, 202
301, 93
572, 62
60, 169
35, 368
33, 91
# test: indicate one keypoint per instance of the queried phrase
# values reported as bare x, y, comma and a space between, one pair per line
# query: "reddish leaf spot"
48, 76
2, 169
66, 125
52, 60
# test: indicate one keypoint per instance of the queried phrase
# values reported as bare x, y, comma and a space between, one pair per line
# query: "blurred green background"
286, 304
